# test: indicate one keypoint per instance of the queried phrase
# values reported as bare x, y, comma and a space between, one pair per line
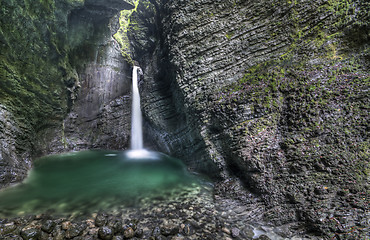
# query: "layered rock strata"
271, 92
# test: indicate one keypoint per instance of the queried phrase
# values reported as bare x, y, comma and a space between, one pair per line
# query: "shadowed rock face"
100, 10
100, 115
99, 112
262, 91
271, 93
49, 50
13, 167
101, 6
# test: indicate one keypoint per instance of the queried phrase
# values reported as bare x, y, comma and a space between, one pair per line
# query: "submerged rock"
105, 233
235, 232
48, 226
30, 233
7, 228
129, 233
101, 219
270, 96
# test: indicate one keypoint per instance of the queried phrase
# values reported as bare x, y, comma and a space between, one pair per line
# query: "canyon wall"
267, 97
272, 93
50, 51
99, 115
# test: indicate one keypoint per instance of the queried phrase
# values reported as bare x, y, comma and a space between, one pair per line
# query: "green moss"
229, 35
337, 16
260, 85
126, 24
33, 64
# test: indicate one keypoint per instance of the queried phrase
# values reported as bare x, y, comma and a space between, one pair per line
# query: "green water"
94, 180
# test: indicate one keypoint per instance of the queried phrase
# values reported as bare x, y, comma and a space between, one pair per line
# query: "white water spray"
136, 118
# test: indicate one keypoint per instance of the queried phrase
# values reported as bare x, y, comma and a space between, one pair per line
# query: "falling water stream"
136, 118
91, 180
86, 182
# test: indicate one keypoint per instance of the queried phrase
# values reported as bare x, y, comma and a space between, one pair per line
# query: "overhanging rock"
106, 8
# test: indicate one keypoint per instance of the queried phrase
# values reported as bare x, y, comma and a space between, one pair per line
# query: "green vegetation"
229, 35
264, 82
341, 20
315, 95
259, 86
126, 24
33, 64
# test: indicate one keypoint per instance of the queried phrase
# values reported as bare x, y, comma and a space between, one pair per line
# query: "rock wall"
44, 59
99, 114
167, 125
270, 92
32, 72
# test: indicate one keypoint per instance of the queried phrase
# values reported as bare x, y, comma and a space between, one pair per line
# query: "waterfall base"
142, 155
133, 193
92, 180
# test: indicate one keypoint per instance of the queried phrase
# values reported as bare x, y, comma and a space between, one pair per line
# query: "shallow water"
88, 181
150, 187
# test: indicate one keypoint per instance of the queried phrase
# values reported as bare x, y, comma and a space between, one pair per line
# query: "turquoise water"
94, 180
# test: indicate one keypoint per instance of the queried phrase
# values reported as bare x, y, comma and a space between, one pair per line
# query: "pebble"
226, 230
169, 229
116, 226
101, 220
7, 228
263, 237
30, 233
73, 231
156, 232
66, 225
48, 226
105, 233
160, 237
235, 232
188, 229
241, 209
129, 233
139, 233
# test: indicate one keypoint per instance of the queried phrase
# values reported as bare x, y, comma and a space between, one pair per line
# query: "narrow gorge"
269, 99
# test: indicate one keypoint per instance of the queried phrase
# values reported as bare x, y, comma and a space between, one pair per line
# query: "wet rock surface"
99, 109
189, 213
13, 164
259, 91
48, 49
29, 95
271, 93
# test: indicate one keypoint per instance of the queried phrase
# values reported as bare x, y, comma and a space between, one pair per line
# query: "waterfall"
136, 118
